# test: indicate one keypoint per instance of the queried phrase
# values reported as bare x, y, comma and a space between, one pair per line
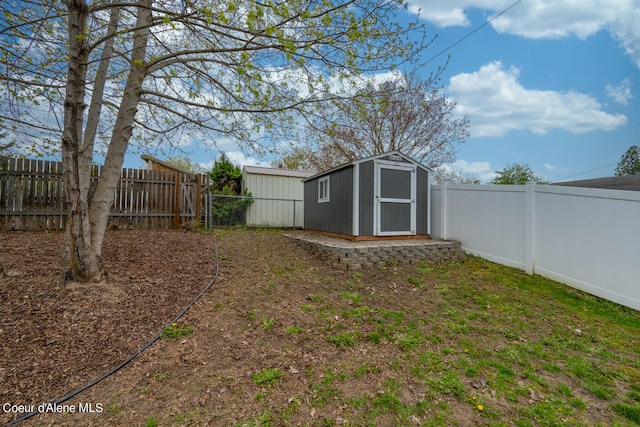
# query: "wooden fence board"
32, 196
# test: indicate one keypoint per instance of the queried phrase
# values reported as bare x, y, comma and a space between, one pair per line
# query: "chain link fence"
232, 211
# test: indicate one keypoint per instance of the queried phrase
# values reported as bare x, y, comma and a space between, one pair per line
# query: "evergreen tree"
226, 185
226, 177
630, 162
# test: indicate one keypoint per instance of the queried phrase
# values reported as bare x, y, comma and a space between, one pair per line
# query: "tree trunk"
86, 265
122, 130
87, 219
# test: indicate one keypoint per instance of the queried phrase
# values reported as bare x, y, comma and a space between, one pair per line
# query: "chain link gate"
232, 211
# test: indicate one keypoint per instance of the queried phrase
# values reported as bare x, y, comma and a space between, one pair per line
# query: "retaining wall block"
358, 257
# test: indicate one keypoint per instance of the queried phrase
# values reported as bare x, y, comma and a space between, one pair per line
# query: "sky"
550, 83
554, 84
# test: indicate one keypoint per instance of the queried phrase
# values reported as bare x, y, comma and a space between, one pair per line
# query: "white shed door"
395, 199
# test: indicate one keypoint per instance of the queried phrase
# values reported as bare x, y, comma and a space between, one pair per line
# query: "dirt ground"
272, 306
56, 337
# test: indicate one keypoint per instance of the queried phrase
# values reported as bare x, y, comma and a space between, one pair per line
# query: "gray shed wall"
336, 215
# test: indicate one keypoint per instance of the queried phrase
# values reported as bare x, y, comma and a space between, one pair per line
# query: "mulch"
56, 336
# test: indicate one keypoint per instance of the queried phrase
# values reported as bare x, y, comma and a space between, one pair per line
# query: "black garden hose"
134, 355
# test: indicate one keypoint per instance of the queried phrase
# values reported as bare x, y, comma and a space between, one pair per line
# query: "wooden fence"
32, 197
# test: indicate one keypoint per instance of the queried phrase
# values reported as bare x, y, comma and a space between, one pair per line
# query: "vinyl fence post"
443, 212
529, 237
429, 202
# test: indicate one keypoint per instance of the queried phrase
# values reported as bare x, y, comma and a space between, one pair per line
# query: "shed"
159, 165
381, 196
277, 195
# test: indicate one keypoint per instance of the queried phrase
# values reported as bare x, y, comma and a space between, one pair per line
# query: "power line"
473, 32
469, 34
582, 173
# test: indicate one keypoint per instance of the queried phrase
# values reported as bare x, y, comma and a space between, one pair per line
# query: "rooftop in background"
260, 170
160, 165
625, 182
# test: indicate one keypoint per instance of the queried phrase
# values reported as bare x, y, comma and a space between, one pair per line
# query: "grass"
347, 339
161, 376
460, 343
175, 331
516, 334
267, 376
632, 413
294, 330
262, 420
268, 322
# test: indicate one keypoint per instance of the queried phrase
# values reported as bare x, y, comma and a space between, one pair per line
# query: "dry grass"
282, 339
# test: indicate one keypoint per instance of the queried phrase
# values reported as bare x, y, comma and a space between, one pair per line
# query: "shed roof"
260, 170
157, 164
366, 159
625, 182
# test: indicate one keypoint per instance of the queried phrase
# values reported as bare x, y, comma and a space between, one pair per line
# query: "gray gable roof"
366, 159
625, 182
260, 170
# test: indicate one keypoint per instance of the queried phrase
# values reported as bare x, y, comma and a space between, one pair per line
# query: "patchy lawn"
283, 339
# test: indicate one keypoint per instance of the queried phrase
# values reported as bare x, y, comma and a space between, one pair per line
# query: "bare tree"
96, 75
405, 114
447, 175
6, 147
296, 158
184, 163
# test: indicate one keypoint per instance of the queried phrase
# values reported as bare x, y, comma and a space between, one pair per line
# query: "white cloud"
621, 93
237, 158
446, 13
480, 169
439, 13
559, 18
538, 19
550, 167
626, 29
497, 103
472, 167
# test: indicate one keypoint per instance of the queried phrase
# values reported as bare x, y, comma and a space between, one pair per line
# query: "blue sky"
548, 83
551, 83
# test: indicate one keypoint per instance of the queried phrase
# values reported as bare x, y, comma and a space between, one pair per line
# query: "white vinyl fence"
584, 237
